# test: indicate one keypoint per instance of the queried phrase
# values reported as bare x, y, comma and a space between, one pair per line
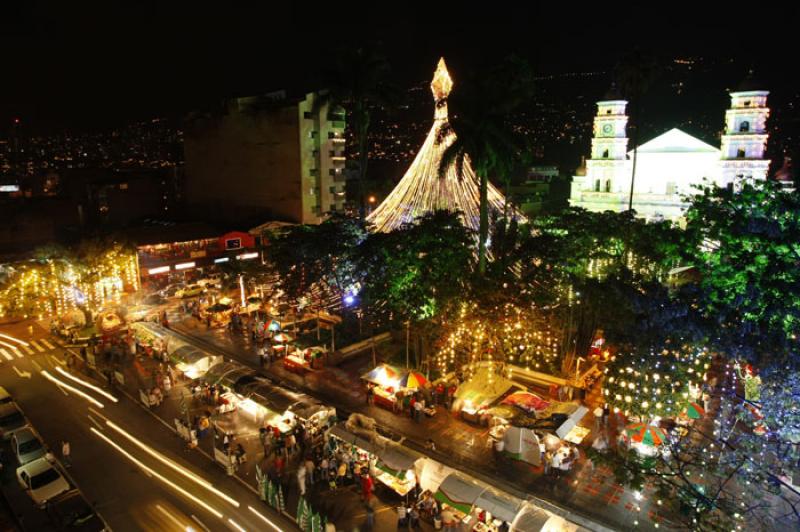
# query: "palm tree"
635, 72
481, 112
359, 82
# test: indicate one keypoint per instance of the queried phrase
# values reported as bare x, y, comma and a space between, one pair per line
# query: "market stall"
267, 403
396, 468
531, 518
301, 360
192, 362
227, 376
152, 338
385, 383
570, 430
522, 444
476, 505
314, 416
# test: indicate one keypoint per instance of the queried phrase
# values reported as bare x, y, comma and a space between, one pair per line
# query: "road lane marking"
35, 365
37, 346
199, 522
23, 374
5, 354
162, 478
171, 464
16, 352
48, 344
57, 360
98, 414
95, 422
28, 349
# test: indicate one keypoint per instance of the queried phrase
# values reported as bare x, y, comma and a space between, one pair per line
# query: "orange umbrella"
646, 434
412, 379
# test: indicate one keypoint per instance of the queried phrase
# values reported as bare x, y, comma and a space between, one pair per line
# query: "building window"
608, 185
597, 185
744, 127
608, 111
308, 114
313, 134
740, 154
747, 103
605, 154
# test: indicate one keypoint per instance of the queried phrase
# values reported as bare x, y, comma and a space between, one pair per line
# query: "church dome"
749, 83
613, 93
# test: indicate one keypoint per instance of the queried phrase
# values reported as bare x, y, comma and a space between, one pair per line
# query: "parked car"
41, 480
70, 511
11, 419
190, 291
27, 446
5, 397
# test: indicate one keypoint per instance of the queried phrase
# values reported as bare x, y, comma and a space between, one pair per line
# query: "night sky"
99, 63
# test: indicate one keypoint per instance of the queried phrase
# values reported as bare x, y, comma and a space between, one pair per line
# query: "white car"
213, 280
41, 480
27, 446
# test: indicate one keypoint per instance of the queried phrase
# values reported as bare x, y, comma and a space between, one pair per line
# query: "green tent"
316, 522
302, 513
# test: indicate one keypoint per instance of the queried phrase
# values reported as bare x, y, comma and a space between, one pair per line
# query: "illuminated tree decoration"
506, 336
423, 190
658, 384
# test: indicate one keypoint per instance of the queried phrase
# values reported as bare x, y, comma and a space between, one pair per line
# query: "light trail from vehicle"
71, 388
176, 467
91, 386
158, 475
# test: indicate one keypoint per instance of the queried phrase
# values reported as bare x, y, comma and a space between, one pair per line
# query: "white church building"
670, 165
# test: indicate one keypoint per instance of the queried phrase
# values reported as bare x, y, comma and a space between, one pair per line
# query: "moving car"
27, 446
41, 480
70, 511
11, 419
171, 290
190, 291
212, 280
140, 313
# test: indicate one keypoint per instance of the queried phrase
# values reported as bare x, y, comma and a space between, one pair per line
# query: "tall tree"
635, 73
359, 82
481, 114
746, 246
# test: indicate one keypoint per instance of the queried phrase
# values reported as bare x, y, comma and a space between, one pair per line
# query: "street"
131, 488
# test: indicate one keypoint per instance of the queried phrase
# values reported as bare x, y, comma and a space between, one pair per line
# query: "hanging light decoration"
423, 189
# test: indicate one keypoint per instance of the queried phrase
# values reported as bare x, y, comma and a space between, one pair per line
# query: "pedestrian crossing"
9, 351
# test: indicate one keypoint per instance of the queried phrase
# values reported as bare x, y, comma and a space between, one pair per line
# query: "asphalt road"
130, 496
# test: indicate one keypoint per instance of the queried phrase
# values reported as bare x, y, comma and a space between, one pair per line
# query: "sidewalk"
592, 494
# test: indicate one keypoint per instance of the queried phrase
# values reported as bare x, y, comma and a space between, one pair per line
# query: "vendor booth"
385, 382
301, 360
477, 506
152, 338
192, 362
531, 518
314, 416
476, 395
570, 430
393, 465
522, 444
267, 403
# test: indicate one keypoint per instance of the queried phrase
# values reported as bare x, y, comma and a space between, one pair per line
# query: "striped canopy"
694, 411
646, 434
412, 379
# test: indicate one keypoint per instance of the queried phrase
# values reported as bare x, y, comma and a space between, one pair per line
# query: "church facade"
670, 166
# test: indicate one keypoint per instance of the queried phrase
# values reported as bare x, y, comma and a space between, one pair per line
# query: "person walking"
366, 487
310, 470
370, 517
66, 453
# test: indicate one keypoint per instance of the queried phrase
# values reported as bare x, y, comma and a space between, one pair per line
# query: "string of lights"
423, 189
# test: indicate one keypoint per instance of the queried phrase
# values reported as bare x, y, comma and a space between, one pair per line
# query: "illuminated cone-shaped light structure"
423, 189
